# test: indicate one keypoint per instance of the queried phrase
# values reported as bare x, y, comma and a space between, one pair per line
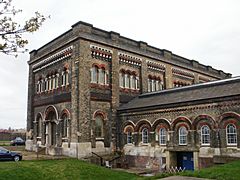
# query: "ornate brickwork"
78, 81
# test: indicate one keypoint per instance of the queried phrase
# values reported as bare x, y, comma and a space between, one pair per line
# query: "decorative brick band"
182, 73
101, 53
59, 56
128, 59
155, 66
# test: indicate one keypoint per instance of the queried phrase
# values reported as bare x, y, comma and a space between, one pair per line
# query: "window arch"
99, 126
205, 135
182, 135
231, 134
162, 136
145, 135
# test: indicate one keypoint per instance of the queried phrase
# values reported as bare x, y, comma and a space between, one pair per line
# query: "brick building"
190, 127
78, 81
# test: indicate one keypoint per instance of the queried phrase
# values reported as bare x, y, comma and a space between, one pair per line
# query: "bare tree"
11, 32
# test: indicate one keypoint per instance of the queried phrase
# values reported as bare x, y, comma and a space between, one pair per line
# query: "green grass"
230, 171
4, 143
75, 169
59, 169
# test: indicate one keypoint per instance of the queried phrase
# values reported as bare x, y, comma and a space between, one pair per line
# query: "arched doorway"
51, 126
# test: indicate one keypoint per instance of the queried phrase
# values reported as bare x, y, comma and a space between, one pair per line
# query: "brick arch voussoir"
210, 121
101, 113
229, 115
38, 116
182, 119
142, 123
49, 109
161, 121
128, 123
67, 112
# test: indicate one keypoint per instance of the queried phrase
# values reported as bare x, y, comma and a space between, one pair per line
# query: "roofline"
172, 105
87, 29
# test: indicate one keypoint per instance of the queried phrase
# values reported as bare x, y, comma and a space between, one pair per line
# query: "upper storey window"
231, 134
39, 87
145, 135
99, 75
182, 132
154, 84
162, 136
205, 135
52, 81
129, 80
65, 77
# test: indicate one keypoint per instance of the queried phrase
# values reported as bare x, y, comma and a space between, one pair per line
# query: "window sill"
231, 145
99, 139
205, 145
144, 144
162, 144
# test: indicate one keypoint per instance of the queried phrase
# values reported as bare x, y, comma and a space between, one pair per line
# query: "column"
168, 71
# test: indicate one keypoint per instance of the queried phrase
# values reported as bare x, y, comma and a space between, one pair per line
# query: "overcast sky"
205, 30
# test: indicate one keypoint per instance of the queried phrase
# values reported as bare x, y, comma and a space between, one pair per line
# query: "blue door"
185, 160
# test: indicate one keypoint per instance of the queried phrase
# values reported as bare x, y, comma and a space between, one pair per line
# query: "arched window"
129, 137
157, 85
134, 82
56, 81
64, 125
137, 83
145, 135
39, 126
153, 85
127, 80
98, 126
102, 76
205, 135
231, 134
65, 77
162, 136
182, 135
149, 85
121, 79
131, 82
94, 74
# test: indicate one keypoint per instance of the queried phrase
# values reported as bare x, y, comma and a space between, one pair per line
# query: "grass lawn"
230, 171
75, 169
4, 143
59, 169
